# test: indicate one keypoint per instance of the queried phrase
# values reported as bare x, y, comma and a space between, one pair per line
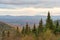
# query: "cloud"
32, 3
30, 11
29, 7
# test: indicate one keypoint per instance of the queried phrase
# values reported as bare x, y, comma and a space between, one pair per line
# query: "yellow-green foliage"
48, 32
48, 35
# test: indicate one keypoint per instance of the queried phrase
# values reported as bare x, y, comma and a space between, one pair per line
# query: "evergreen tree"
17, 32
49, 22
23, 30
3, 35
34, 29
27, 29
57, 24
57, 29
40, 27
8, 34
17, 28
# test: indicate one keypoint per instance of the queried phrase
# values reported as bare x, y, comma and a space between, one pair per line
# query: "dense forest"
48, 31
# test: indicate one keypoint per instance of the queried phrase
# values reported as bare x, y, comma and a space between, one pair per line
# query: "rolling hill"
21, 20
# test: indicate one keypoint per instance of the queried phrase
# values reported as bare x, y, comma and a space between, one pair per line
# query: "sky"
29, 7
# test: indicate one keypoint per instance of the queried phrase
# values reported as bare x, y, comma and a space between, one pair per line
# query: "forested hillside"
49, 31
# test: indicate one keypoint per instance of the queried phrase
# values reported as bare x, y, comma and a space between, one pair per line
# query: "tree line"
41, 29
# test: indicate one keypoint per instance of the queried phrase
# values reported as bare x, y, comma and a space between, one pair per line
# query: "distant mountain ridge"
23, 19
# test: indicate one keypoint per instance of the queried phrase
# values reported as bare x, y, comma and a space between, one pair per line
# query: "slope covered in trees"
49, 31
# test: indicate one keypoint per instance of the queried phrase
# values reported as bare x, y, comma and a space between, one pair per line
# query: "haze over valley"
21, 20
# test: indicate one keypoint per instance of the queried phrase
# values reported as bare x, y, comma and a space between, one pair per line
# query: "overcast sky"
29, 7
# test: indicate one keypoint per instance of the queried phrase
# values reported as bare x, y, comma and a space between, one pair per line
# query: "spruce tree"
34, 29
57, 24
17, 32
8, 34
57, 29
3, 35
27, 29
23, 30
49, 22
40, 27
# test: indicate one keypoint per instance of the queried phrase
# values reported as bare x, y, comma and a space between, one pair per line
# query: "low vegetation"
49, 31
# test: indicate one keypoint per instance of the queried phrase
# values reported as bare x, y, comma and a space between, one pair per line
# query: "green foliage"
40, 27
49, 22
3, 35
34, 30
48, 35
27, 29
17, 32
23, 30
39, 32
8, 34
57, 24
57, 29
